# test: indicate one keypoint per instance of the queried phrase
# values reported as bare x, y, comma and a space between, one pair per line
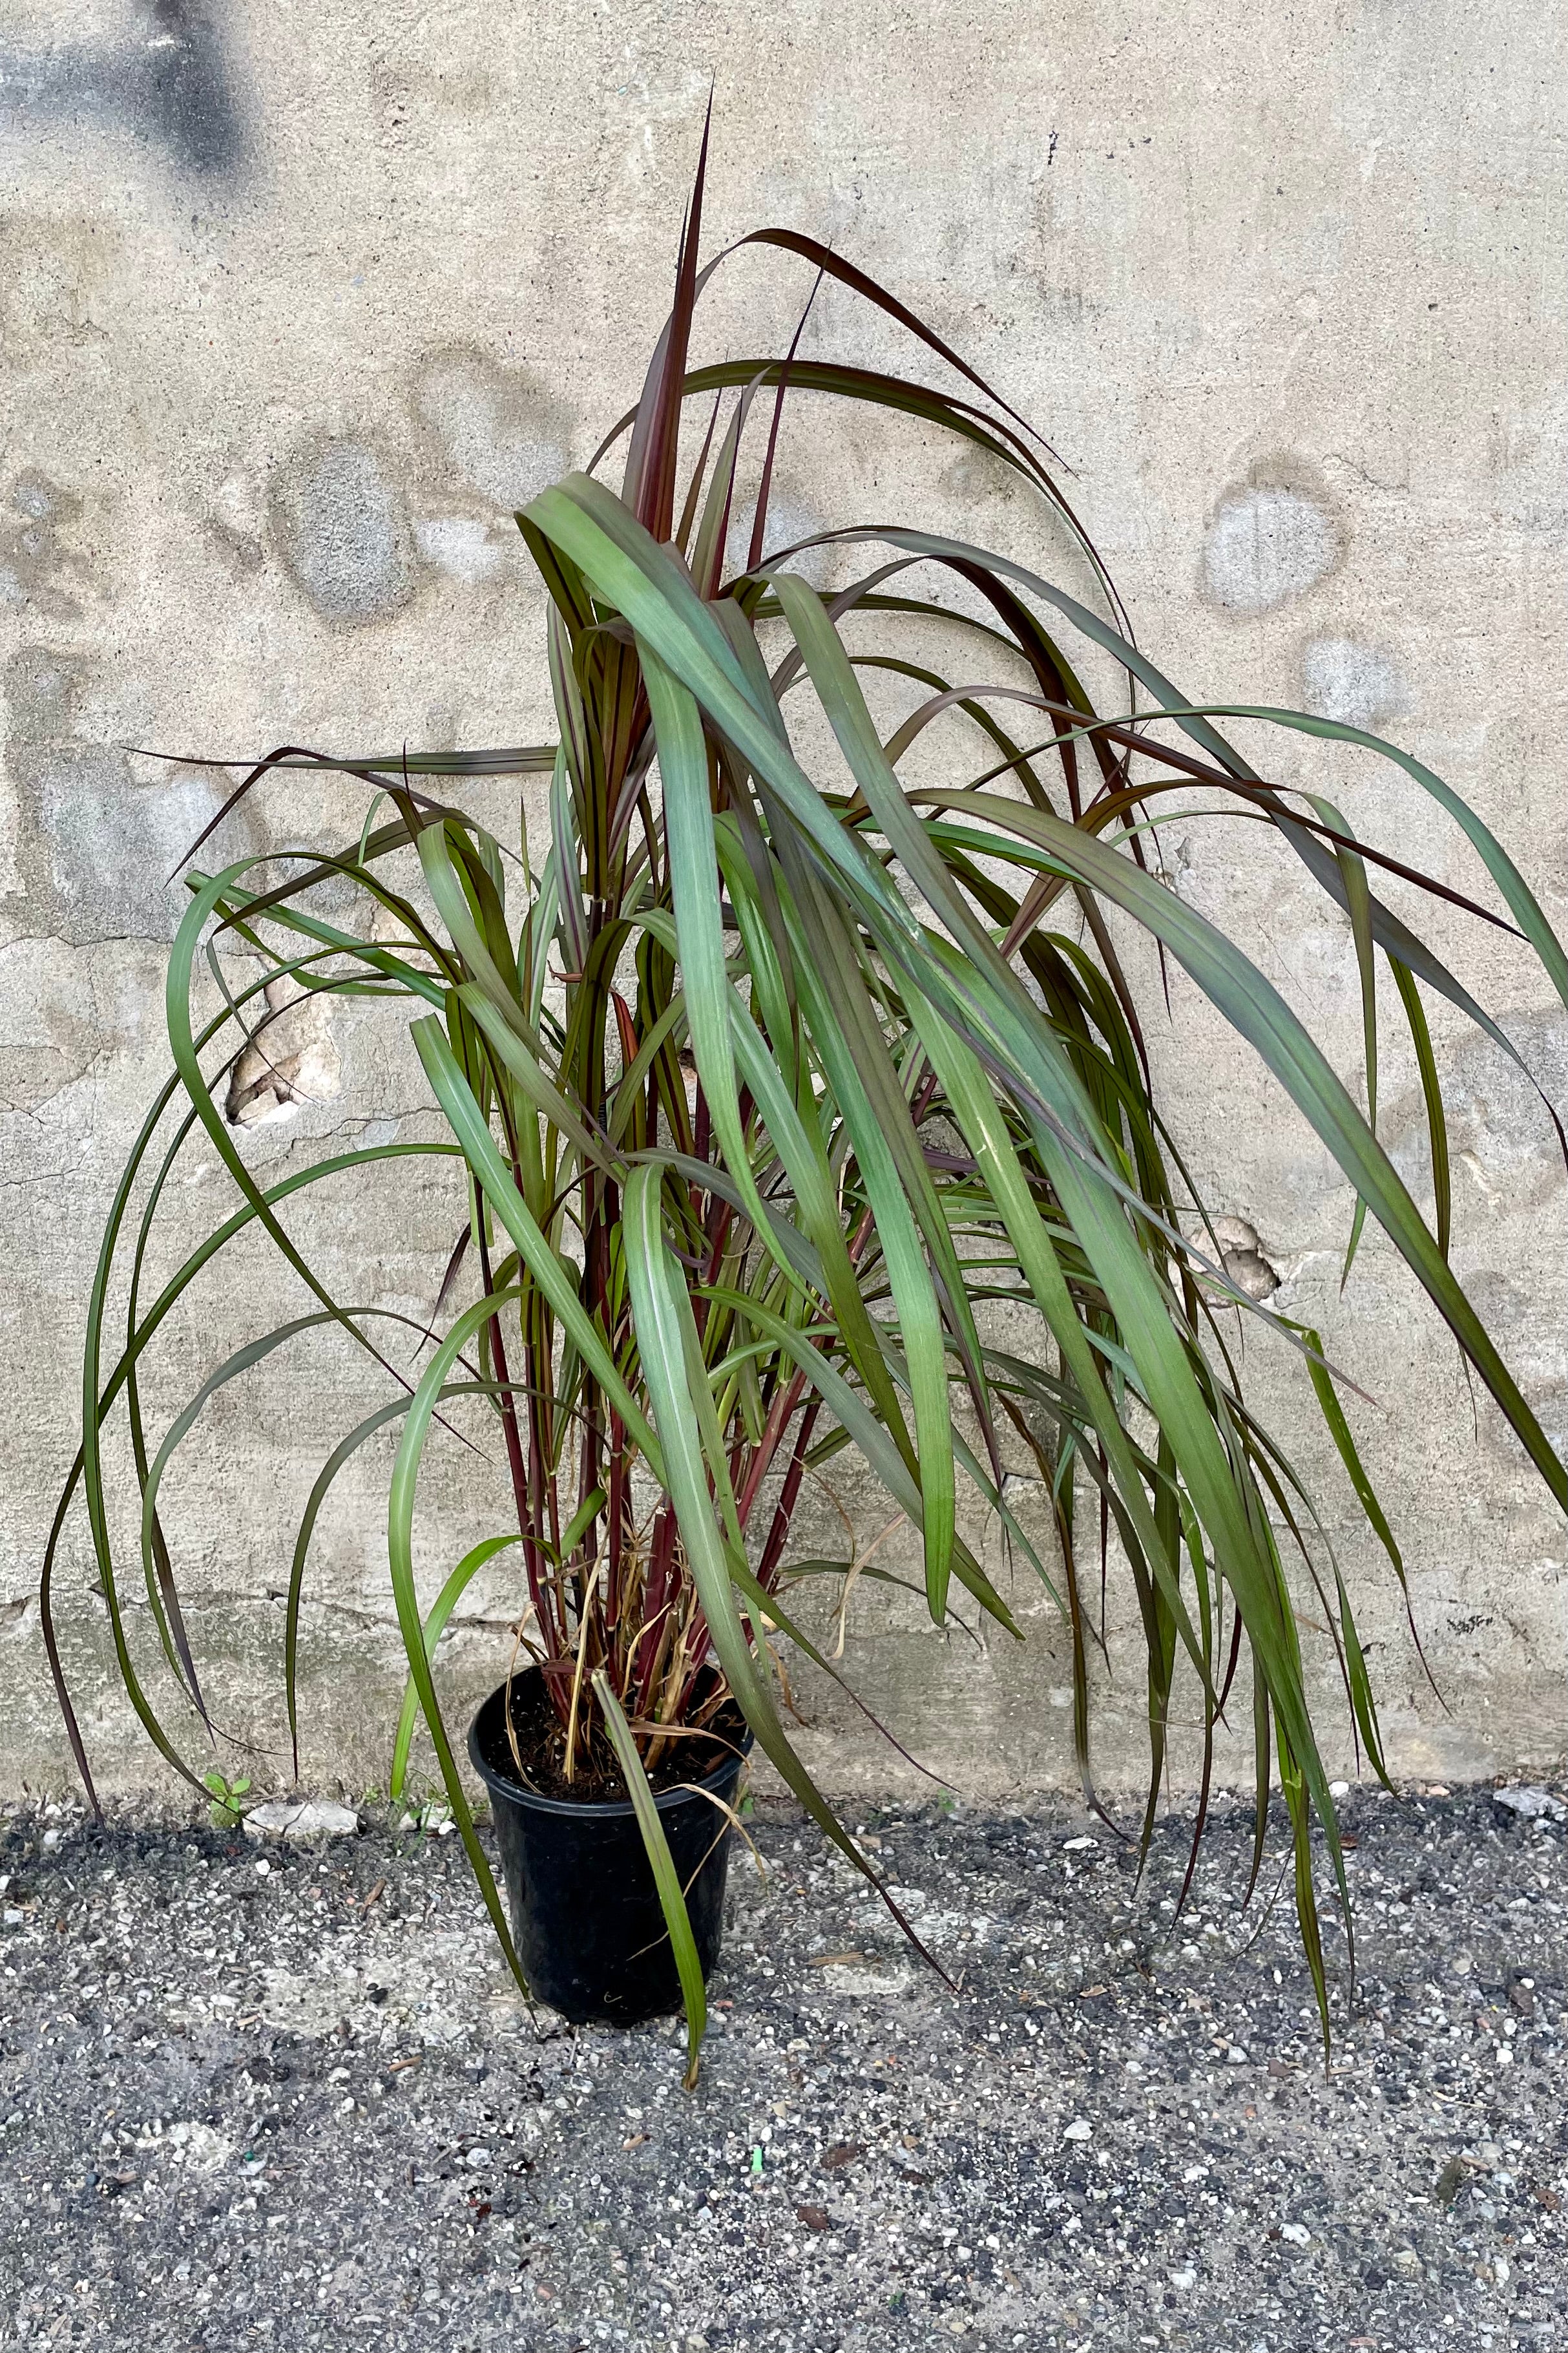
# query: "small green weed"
224, 1812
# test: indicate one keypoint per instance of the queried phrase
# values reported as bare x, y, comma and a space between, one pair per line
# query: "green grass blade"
1432, 1096
666, 1878
1358, 900
401, 1496
441, 1608
550, 1273
1255, 1009
667, 1340
1344, 1444
317, 1495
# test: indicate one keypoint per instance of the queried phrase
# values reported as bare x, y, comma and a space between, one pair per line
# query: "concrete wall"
297, 302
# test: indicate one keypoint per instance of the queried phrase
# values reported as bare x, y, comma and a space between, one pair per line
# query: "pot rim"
590, 1808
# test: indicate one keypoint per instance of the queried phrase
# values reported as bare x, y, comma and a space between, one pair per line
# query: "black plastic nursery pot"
585, 1915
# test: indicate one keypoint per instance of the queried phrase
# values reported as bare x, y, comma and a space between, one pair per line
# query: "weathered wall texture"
298, 302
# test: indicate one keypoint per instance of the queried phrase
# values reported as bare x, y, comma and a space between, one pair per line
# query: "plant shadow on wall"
762, 1088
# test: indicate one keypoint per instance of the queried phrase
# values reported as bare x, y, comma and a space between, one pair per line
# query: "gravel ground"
286, 2098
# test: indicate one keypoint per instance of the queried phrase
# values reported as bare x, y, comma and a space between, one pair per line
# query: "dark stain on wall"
98, 836
40, 570
342, 531
168, 83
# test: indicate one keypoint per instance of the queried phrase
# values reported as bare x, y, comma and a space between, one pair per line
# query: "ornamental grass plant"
781, 1062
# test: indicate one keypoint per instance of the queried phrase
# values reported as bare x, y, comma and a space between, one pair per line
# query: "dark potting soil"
597, 1779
